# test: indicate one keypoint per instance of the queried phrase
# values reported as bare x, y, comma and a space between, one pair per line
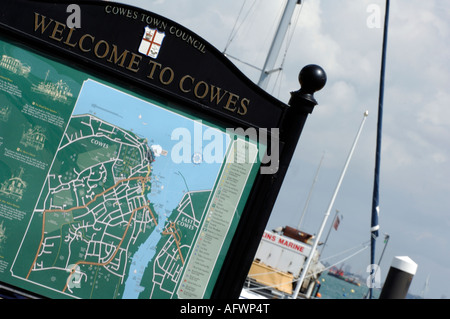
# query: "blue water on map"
170, 180
140, 260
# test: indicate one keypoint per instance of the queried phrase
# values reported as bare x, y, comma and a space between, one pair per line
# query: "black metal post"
399, 278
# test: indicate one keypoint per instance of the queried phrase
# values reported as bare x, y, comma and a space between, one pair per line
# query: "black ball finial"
312, 78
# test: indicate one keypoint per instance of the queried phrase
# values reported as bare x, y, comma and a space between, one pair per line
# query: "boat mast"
327, 214
375, 200
277, 43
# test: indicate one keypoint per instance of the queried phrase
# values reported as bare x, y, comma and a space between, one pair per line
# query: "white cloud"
344, 94
439, 157
435, 114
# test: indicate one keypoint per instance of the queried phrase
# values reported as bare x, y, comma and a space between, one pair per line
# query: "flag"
336, 223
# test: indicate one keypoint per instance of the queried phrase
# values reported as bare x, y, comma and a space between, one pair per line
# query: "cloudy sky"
345, 38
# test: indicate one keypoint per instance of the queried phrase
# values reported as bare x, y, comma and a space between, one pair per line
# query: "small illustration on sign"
151, 42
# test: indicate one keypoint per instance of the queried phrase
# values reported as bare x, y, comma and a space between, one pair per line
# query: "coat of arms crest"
151, 42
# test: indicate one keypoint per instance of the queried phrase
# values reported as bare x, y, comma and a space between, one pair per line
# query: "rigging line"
277, 83
340, 261
235, 29
230, 38
292, 26
347, 250
246, 63
275, 22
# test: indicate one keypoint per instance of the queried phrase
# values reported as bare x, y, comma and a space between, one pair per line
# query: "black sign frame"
186, 67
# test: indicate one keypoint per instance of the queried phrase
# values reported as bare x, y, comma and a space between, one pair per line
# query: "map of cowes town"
93, 216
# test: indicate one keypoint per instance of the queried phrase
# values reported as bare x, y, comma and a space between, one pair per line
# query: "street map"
107, 194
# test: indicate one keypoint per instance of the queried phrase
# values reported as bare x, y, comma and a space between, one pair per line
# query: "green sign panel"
108, 194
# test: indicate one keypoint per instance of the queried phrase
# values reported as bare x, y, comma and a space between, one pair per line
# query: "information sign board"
131, 156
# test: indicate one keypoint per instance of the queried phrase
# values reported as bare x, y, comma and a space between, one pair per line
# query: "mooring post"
399, 278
